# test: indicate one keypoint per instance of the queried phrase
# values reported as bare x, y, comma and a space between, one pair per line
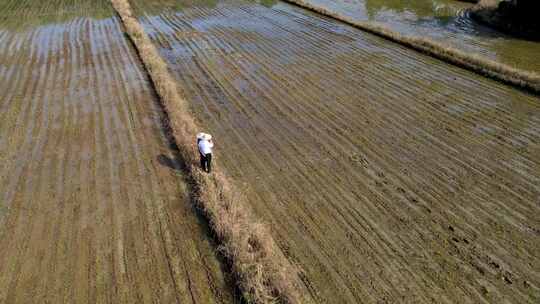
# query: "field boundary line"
262, 272
528, 81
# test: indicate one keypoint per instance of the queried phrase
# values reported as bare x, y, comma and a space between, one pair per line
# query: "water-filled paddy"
385, 174
442, 20
93, 205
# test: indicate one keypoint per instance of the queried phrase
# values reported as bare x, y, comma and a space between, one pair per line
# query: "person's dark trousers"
206, 162
203, 161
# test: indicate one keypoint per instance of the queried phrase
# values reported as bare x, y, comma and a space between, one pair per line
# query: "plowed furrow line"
32, 210
272, 119
138, 213
93, 214
59, 189
75, 227
15, 94
20, 91
114, 141
471, 104
411, 86
277, 99
125, 115
53, 229
408, 63
202, 78
72, 183
239, 82
457, 148
44, 228
275, 217
107, 243
120, 86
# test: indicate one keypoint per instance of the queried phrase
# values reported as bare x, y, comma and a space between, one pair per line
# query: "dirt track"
388, 176
93, 207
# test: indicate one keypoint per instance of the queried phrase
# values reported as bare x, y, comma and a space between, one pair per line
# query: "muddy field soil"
446, 21
386, 175
93, 204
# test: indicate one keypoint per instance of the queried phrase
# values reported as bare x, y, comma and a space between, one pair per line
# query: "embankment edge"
528, 81
262, 272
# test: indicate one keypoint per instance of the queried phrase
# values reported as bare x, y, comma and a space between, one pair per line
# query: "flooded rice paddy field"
446, 21
93, 208
386, 175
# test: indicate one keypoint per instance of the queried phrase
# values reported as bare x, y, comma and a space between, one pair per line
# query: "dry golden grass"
481, 65
263, 274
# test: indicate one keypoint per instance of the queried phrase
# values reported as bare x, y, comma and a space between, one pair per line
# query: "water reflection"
159, 7
267, 3
446, 21
418, 9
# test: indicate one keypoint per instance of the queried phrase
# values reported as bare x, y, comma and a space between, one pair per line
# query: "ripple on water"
446, 21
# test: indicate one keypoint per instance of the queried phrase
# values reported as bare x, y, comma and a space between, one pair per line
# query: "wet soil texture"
386, 175
93, 205
447, 21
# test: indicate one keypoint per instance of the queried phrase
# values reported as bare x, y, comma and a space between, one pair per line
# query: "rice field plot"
93, 204
446, 21
386, 175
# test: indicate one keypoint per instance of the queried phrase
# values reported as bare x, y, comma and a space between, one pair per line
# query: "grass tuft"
263, 273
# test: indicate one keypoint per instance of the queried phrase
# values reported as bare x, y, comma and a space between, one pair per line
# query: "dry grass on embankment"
262, 272
527, 80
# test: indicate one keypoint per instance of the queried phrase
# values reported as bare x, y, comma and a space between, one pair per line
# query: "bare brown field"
262, 273
447, 22
386, 175
93, 203
468, 60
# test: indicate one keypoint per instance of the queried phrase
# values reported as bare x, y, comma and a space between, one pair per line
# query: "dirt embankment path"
387, 175
93, 207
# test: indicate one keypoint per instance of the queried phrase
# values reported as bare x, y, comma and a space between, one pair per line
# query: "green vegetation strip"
522, 79
263, 273
21, 15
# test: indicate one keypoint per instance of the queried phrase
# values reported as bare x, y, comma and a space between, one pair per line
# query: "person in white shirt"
205, 145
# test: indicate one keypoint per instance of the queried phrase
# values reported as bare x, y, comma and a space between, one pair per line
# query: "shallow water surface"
386, 175
93, 208
443, 20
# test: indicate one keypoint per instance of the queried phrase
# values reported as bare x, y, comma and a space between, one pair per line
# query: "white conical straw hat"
204, 136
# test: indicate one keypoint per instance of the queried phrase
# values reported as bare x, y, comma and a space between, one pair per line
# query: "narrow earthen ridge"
529, 81
262, 272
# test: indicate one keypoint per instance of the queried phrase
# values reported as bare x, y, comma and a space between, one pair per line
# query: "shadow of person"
169, 162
